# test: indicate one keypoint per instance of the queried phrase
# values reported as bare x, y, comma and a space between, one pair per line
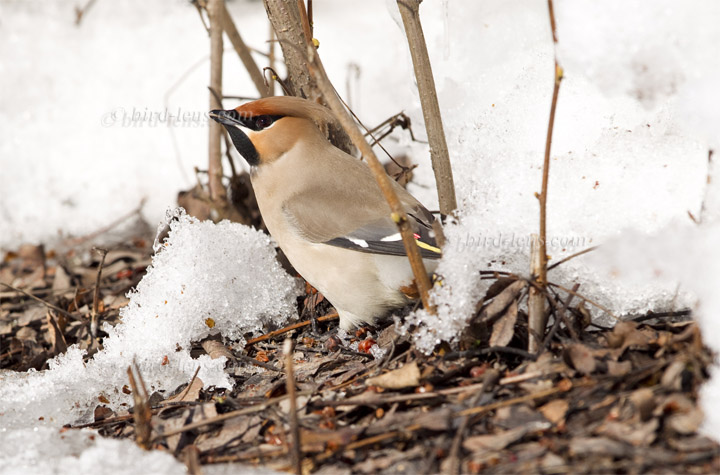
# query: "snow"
637, 113
619, 160
45, 450
205, 279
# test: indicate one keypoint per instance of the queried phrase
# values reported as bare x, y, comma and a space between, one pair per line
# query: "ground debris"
601, 401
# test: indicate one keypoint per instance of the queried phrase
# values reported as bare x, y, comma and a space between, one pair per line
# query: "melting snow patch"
205, 278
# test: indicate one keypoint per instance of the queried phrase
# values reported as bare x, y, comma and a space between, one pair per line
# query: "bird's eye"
263, 121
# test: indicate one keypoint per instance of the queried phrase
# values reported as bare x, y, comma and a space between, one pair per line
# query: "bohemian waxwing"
325, 209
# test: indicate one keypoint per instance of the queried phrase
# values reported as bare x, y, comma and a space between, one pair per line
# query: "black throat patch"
243, 145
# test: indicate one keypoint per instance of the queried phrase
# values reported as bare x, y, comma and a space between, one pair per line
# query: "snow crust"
205, 279
625, 153
46, 450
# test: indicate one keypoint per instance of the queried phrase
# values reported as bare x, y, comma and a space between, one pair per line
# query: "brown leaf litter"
594, 400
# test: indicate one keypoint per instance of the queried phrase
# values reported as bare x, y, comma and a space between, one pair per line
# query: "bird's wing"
359, 219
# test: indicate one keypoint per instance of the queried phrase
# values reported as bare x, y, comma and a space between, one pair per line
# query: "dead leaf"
644, 401
581, 358
232, 430
686, 422
26, 333
696, 443
671, 378
519, 415
501, 302
31, 256
504, 329
61, 282
216, 349
584, 446
555, 410
618, 368
640, 434
407, 376
190, 393
498, 286
500, 440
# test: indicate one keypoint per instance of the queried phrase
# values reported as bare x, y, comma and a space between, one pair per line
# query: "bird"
325, 209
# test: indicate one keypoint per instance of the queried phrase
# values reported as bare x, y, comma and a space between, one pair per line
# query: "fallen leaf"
644, 401
618, 368
584, 446
671, 378
502, 301
581, 358
191, 393
686, 422
504, 329
555, 410
216, 349
640, 434
500, 440
407, 376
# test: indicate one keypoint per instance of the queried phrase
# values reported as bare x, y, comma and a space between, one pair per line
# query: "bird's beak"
233, 123
226, 117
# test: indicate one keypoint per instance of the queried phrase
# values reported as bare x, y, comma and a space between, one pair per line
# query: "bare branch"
294, 34
410, 12
294, 424
96, 294
536, 308
218, 195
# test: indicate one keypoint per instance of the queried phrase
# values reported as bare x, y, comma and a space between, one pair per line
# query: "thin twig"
560, 315
142, 412
225, 135
486, 351
652, 316
96, 294
80, 12
294, 424
274, 76
511, 402
410, 13
38, 299
228, 415
537, 316
255, 362
536, 305
548, 145
294, 326
572, 256
271, 62
585, 299
218, 194
708, 185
